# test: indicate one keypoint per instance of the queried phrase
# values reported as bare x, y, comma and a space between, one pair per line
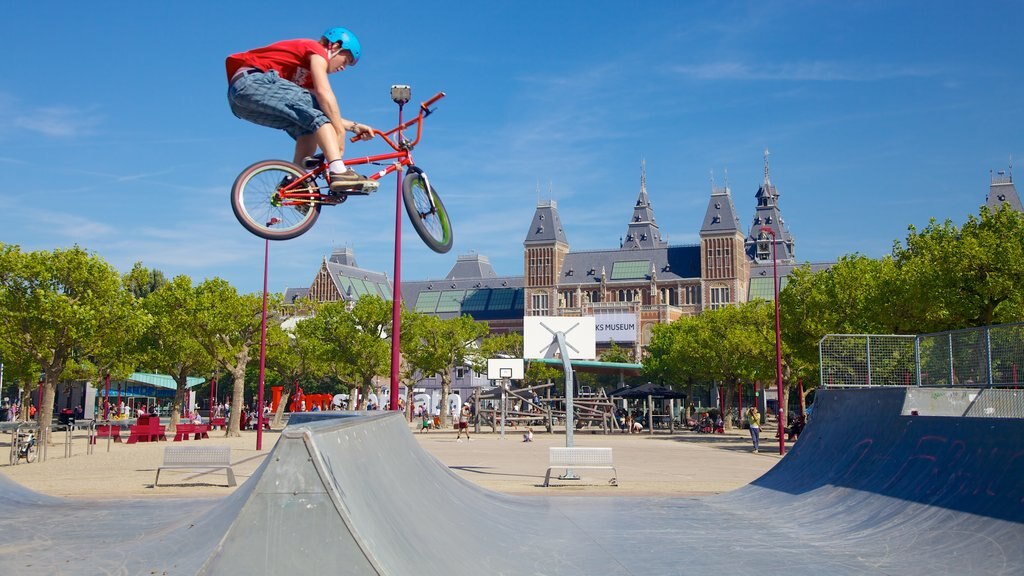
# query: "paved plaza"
681, 464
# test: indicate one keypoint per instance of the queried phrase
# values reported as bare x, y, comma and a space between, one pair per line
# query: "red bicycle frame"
402, 156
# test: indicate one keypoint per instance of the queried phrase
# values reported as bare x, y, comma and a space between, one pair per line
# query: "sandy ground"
682, 464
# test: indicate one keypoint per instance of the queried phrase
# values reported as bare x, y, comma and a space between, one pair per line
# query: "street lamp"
781, 411
263, 340
401, 95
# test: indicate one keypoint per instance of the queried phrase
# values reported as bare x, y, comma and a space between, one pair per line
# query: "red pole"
106, 397
781, 411
739, 400
396, 289
212, 384
263, 341
800, 390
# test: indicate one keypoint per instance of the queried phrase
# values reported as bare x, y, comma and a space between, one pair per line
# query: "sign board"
501, 368
539, 336
616, 327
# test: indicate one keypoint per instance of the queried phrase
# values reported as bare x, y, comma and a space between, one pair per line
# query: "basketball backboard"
505, 368
539, 336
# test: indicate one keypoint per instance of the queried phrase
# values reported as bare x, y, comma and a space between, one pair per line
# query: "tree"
352, 346
142, 282
173, 344
287, 360
228, 327
54, 305
969, 276
445, 344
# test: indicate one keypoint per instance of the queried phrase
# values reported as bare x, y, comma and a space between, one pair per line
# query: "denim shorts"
266, 99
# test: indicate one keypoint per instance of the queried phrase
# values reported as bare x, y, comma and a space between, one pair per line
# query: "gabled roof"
472, 288
293, 294
472, 266
496, 298
1002, 191
546, 226
720, 217
353, 282
668, 263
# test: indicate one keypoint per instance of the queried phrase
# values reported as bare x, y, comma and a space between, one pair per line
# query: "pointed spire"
642, 231
643, 176
767, 180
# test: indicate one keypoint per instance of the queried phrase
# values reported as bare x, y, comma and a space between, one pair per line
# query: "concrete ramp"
866, 490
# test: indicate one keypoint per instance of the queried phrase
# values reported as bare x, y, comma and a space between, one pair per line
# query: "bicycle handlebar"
424, 111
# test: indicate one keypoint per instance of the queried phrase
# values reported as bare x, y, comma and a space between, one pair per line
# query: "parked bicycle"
24, 447
278, 200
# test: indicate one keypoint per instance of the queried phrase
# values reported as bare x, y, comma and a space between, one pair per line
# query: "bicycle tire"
30, 454
426, 211
253, 202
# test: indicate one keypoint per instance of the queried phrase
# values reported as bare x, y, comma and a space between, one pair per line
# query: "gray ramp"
866, 490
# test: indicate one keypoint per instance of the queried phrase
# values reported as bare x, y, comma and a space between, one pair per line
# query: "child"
528, 437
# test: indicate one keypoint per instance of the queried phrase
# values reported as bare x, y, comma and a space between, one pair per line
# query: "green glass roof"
630, 270
451, 301
346, 285
502, 299
427, 301
475, 301
764, 288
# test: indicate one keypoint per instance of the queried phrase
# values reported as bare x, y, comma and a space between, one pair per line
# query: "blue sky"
115, 132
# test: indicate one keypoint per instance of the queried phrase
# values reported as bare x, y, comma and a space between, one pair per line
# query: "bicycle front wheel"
258, 207
30, 453
426, 212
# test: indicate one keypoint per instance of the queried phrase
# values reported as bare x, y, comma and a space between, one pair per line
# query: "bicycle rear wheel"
256, 204
426, 212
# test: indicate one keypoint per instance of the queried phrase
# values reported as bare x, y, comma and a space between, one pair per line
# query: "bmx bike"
278, 200
24, 446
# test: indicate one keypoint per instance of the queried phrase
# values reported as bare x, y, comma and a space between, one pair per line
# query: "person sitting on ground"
285, 86
528, 436
636, 426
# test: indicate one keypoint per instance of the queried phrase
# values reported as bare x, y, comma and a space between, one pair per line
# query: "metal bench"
572, 458
197, 458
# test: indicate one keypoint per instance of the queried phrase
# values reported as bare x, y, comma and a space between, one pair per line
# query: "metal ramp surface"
866, 490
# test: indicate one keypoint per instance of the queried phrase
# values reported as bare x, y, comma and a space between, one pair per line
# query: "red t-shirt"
290, 58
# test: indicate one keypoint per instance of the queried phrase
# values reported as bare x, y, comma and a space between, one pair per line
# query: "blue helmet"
348, 41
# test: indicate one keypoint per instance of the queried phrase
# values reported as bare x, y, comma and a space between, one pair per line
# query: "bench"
146, 433
182, 431
197, 458
571, 458
215, 422
107, 431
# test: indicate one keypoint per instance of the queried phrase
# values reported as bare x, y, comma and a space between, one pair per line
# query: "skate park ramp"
875, 485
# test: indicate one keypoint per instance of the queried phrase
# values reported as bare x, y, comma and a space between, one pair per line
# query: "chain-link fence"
989, 356
867, 360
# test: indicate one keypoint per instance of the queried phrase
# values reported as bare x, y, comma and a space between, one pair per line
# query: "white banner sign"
616, 327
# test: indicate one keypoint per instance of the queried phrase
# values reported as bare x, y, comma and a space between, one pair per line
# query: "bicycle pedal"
361, 188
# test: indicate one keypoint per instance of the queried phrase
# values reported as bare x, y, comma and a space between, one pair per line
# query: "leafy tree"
445, 344
287, 361
142, 282
967, 276
228, 328
54, 305
352, 346
173, 344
